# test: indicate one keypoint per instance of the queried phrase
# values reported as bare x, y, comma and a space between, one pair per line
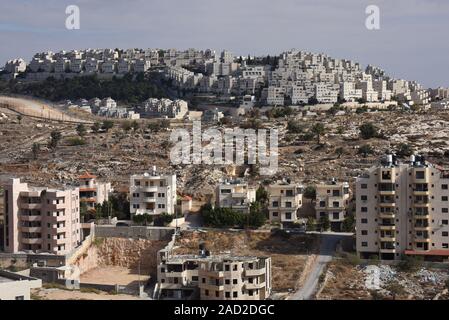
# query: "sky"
412, 42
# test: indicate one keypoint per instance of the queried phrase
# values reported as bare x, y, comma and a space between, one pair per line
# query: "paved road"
329, 243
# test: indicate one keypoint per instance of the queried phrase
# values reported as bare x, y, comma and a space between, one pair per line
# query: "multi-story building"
93, 192
235, 194
332, 200
216, 277
162, 108
403, 208
14, 286
285, 199
41, 219
152, 193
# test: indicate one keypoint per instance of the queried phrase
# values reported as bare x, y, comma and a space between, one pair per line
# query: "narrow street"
329, 241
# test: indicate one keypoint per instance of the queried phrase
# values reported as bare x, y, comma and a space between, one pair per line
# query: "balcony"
387, 204
31, 229
254, 286
30, 206
239, 195
421, 227
387, 192
387, 238
211, 286
387, 227
32, 240
30, 218
387, 215
149, 189
173, 274
149, 199
254, 272
55, 218
393, 250
422, 240
421, 192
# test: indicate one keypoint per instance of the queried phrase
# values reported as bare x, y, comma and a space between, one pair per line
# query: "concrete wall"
135, 232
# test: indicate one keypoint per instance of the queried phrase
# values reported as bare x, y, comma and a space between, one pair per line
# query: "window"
194, 278
420, 175
445, 234
234, 267
234, 281
227, 281
322, 204
288, 215
364, 198
364, 209
203, 280
217, 294
446, 245
336, 215
206, 292
364, 221
275, 204
364, 244
444, 198
445, 210
444, 186
444, 222
363, 186
250, 292
364, 232
227, 267
275, 214
234, 294
227, 294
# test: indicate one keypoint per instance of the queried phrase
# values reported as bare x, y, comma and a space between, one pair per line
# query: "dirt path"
37, 109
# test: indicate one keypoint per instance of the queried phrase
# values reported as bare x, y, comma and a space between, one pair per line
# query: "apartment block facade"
93, 192
41, 219
152, 193
285, 199
235, 194
219, 277
332, 200
403, 208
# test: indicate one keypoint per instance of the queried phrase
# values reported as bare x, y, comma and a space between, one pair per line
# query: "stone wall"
134, 232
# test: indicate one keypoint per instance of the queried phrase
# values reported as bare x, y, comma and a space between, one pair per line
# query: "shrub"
410, 264
76, 141
368, 131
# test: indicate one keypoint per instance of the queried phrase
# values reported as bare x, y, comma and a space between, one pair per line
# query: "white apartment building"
15, 66
108, 66
403, 208
165, 108
332, 200
93, 192
285, 199
41, 219
123, 66
349, 93
152, 193
235, 194
141, 65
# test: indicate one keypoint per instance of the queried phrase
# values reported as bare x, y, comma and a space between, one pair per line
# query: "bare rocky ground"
346, 281
116, 154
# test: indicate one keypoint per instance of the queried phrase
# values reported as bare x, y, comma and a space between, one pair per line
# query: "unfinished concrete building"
235, 194
285, 199
213, 277
332, 200
403, 209
41, 219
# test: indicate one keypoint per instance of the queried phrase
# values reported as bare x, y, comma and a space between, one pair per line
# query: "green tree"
126, 126
55, 137
81, 130
339, 152
257, 215
310, 192
325, 223
404, 150
365, 150
96, 127
35, 149
410, 263
135, 125
318, 129
294, 126
261, 195
368, 131
83, 210
349, 223
395, 289
163, 219
107, 125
